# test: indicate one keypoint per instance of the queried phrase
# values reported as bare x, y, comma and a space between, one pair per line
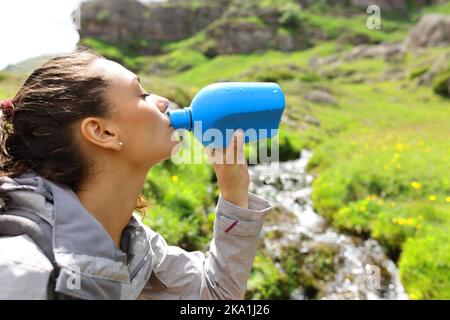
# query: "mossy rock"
310, 270
281, 216
441, 84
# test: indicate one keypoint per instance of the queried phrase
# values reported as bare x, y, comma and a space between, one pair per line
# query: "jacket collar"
81, 246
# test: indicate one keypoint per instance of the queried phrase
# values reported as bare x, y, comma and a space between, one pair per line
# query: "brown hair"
40, 136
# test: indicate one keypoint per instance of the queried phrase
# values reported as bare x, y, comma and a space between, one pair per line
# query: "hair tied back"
7, 108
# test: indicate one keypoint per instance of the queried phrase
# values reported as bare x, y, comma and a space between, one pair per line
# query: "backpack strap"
18, 222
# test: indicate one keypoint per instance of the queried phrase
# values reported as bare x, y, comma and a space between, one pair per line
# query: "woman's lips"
167, 118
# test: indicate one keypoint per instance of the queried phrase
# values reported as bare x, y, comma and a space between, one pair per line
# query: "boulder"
432, 30
321, 96
124, 21
439, 66
111, 20
238, 37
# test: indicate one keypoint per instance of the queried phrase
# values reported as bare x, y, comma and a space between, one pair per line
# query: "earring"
121, 144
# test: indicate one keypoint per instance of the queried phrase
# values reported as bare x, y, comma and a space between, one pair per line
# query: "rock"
169, 23
148, 26
229, 36
383, 4
320, 96
311, 120
439, 66
316, 62
111, 20
386, 51
432, 30
281, 216
239, 37
441, 84
130, 20
310, 265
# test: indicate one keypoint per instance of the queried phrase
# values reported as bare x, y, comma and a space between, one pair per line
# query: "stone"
440, 65
124, 21
432, 30
321, 96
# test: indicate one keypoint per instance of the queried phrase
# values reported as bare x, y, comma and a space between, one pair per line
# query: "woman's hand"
231, 170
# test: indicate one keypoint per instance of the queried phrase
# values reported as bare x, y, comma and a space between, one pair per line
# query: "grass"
385, 175
229, 67
336, 26
381, 157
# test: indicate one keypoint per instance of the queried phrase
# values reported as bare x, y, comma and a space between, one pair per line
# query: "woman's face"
142, 122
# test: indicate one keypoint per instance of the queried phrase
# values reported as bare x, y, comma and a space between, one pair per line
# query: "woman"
77, 142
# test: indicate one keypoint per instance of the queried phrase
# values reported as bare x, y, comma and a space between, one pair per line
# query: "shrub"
425, 264
266, 281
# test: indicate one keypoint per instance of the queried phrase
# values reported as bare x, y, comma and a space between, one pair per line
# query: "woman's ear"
100, 132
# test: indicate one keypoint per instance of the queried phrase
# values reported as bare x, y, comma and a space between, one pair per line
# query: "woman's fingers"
235, 151
233, 154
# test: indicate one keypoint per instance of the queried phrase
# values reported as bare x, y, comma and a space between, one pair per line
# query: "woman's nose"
161, 103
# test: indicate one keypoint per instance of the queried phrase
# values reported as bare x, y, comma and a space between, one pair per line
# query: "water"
361, 269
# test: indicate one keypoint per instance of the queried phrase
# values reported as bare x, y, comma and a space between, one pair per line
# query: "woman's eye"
146, 95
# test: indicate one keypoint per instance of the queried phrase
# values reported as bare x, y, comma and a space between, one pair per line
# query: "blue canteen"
255, 107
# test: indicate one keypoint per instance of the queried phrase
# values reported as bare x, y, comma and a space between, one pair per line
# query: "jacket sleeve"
221, 273
24, 270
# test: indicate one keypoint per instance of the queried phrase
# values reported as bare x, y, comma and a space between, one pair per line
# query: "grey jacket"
84, 262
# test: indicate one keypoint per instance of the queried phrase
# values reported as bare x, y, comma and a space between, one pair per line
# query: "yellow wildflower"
399, 146
416, 185
362, 208
409, 221
447, 199
401, 221
174, 178
432, 197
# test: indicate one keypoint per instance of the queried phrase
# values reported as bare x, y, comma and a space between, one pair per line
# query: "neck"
111, 198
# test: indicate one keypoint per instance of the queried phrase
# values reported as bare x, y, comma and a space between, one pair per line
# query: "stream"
334, 265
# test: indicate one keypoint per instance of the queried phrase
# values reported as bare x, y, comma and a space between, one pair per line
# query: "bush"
425, 264
290, 17
182, 204
309, 271
358, 216
266, 281
125, 54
